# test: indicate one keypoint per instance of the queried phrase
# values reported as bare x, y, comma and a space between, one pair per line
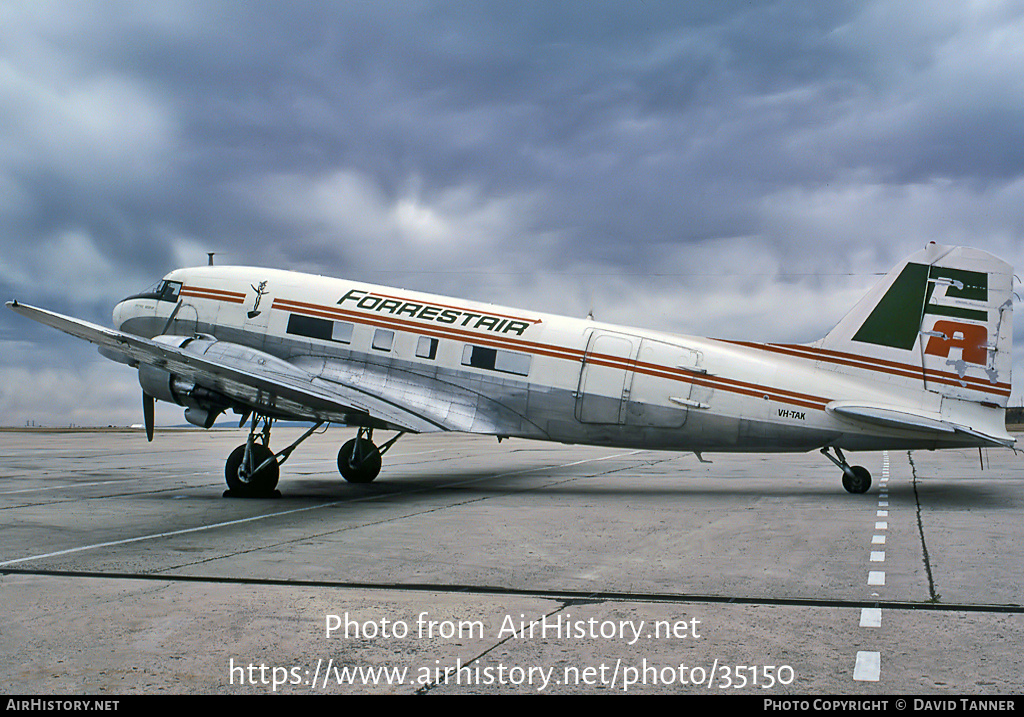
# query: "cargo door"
661, 390
605, 378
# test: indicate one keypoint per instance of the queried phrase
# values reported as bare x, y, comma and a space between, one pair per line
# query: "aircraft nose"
119, 315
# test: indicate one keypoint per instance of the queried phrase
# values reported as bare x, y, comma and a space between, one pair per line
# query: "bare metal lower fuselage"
509, 407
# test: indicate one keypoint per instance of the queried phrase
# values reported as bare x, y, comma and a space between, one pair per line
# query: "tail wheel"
251, 477
359, 461
859, 482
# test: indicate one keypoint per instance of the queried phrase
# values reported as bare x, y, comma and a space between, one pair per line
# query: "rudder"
947, 310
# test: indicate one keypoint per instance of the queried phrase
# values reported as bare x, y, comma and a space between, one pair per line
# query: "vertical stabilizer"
946, 310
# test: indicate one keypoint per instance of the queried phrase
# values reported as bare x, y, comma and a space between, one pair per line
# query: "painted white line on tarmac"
250, 519
868, 667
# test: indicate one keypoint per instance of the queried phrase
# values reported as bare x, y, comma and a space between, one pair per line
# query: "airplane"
921, 362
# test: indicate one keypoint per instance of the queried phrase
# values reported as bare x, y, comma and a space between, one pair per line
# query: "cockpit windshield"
161, 291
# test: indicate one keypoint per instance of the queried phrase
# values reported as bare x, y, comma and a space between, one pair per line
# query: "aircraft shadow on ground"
473, 483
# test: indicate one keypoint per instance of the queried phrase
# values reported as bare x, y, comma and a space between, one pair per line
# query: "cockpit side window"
169, 290
163, 291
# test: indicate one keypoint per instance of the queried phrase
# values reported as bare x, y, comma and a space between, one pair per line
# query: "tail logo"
922, 291
970, 338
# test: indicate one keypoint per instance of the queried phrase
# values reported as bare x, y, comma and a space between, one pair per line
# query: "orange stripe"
565, 353
914, 370
222, 292
198, 292
869, 363
734, 385
431, 329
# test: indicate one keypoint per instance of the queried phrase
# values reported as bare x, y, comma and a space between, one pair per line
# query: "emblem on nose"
260, 291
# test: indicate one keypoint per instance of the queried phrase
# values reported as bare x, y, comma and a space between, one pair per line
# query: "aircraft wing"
921, 422
253, 378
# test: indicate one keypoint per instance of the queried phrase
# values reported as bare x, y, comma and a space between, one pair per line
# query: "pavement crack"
933, 596
471, 663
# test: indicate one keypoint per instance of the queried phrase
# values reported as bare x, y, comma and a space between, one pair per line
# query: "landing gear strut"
252, 470
856, 479
359, 459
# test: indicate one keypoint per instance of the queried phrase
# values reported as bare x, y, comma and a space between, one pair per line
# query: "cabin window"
383, 339
496, 360
314, 328
342, 332
426, 348
309, 327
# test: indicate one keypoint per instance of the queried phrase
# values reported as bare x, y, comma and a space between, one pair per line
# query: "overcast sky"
735, 169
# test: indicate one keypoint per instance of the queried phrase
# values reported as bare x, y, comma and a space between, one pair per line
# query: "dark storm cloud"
625, 157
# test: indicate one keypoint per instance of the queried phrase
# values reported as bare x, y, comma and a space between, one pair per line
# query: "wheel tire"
262, 483
860, 482
367, 469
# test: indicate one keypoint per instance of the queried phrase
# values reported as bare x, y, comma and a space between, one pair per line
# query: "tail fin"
948, 312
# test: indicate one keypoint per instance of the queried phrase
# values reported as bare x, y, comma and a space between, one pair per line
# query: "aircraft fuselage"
509, 372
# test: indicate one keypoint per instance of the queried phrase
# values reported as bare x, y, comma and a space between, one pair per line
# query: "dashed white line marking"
871, 617
868, 666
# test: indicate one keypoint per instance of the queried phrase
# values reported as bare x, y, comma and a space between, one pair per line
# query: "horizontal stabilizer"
913, 421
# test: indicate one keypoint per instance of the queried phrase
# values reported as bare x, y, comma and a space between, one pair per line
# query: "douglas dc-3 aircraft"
923, 361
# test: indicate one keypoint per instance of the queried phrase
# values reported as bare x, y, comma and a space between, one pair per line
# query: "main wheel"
361, 468
242, 479
860, 482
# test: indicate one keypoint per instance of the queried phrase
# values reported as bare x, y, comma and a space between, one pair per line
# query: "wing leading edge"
269, 384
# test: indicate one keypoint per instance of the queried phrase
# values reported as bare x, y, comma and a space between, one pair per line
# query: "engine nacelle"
201, 417
202, 406
163, 386
206, 404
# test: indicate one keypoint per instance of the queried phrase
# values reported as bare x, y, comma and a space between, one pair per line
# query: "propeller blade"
147, 414
170, 319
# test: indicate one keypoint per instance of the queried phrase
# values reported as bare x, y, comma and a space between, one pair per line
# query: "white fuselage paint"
543, 376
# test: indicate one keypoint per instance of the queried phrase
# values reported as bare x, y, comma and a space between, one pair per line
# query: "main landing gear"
856, 479
252, 470
359, 459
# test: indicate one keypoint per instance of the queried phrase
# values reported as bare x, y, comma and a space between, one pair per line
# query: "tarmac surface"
471, 566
